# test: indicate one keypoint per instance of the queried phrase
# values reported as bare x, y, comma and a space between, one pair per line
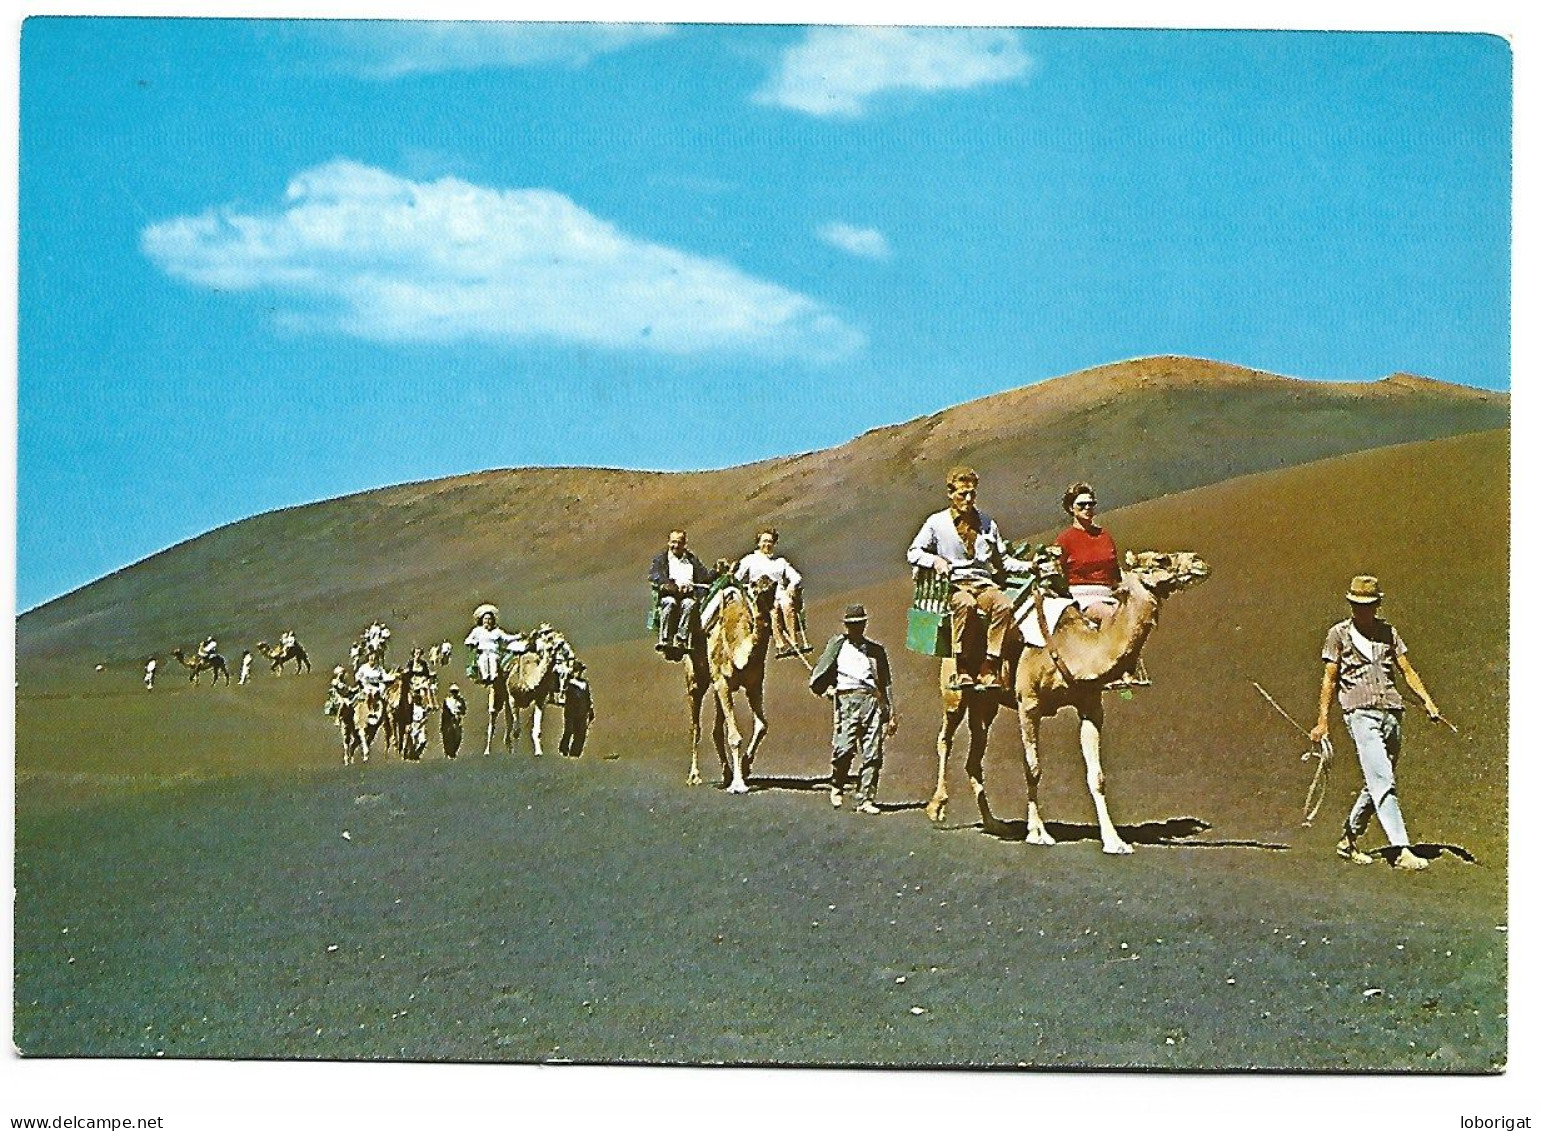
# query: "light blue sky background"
266, 262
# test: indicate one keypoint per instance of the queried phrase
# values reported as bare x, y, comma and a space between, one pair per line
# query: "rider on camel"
964, 545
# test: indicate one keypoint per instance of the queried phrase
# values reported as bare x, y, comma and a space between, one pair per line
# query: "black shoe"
661, 646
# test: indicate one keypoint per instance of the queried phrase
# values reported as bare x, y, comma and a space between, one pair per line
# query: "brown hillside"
572, 545
1200, 743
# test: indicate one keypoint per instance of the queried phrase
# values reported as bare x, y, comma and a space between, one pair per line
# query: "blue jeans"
1378, 738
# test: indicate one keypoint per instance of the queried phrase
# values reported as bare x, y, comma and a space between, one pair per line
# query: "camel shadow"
1174, 831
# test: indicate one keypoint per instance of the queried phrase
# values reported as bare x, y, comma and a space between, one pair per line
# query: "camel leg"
693, 698
756, 697
735, 751
936, 808
535, 727
492, 720
1029, 720
1091, 751
980, 716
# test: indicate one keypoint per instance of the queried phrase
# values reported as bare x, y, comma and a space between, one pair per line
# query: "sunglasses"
1082, 504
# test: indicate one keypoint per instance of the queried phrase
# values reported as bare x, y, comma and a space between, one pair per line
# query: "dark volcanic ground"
515, 909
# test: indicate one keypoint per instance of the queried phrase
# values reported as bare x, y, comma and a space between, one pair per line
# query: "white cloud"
868, 243
364, 252
388, 49
834, 72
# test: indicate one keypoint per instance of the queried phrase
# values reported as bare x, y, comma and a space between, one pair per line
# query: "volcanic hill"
571, 545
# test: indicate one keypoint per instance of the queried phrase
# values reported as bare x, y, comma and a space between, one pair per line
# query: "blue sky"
266, 262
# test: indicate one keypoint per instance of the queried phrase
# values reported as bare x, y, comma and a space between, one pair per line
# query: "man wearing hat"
577, 711
1362, 655
488, 641
855, 671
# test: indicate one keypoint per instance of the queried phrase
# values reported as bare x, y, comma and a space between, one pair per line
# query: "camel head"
762, 593
722, 566
1166, 573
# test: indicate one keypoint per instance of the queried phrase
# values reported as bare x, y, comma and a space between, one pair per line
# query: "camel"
536, 680
360, 722
731, 658
530, 682
200, 664
277, 655
1070, 673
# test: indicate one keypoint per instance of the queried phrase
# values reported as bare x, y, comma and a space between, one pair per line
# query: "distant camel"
528, 682
730, 658
362, 719
200, 664
278, 656
536, 680
1069, 673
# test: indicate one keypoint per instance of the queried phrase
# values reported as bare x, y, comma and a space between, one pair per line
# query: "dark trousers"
575, 732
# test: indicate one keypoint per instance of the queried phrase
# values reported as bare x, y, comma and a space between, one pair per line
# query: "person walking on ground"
149, 674
452, 720
577, 712
1363, 654
854, 670
245, 667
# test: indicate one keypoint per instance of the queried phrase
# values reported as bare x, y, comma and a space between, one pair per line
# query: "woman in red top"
1090, 558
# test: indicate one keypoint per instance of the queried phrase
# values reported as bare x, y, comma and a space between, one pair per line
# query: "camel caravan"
1027, 628
1032, 629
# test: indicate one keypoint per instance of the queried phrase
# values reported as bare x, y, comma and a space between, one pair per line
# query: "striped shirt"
1365, 681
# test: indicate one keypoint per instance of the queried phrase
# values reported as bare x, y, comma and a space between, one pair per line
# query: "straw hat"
1364, 590
483, 610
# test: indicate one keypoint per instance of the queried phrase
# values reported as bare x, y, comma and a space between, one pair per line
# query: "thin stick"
1274, 703
1449, 724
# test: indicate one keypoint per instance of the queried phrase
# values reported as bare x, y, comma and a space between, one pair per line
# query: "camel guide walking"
963, 545
855, 670
452, 720
577, 712
1362, 655
149, 674
245, 666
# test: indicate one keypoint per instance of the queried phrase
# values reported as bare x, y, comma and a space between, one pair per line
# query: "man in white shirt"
764, 563
855, 671
963, 545
679, 577
245, 667
149, 674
